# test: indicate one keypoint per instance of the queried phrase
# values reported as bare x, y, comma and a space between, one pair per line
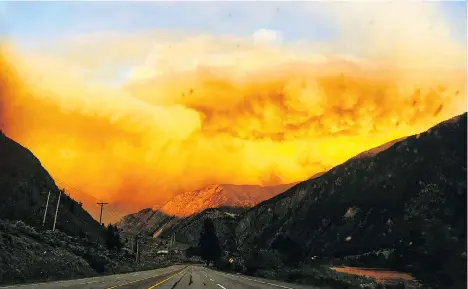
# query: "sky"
133, 103
25, 20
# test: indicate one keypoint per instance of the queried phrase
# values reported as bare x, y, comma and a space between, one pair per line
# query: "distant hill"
24, 185
214, 196
187, 230
409, 199
146, 221
188, 203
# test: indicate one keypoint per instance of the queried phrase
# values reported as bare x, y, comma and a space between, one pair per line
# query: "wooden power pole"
45, 211
137, 248
102, 205
56, 210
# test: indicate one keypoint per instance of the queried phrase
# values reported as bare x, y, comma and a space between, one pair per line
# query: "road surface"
174, 277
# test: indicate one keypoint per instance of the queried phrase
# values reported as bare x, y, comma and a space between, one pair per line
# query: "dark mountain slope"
187, 230
30, 254
225, 219
410, 198
24, 185
374, 151
146, 221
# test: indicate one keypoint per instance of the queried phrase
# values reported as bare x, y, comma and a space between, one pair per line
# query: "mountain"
409, 200
214, 196
151, 221
30, 252
374, 151
24, 186
145, 221
155, 221
225, 219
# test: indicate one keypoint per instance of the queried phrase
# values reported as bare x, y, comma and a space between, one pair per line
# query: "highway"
174, 277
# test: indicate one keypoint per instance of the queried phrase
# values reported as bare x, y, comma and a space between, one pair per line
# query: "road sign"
231, 260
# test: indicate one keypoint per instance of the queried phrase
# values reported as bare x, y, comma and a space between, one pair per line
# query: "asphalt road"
174, 277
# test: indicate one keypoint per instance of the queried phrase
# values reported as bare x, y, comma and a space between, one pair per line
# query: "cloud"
404, 32
267, 36
201, 109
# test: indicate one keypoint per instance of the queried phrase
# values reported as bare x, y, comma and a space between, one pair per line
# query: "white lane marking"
84, 283
211, 279
258, 281
221, 286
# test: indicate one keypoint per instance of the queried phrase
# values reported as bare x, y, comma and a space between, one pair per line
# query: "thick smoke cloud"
138, 118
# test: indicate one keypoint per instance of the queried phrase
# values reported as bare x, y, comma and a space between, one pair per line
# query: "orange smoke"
206, 110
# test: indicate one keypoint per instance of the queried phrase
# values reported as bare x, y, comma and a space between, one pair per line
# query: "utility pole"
102, 205
56, 210
137, 256
45, 212
169, 245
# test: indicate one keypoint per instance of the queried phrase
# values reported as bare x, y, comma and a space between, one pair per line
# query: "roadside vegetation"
272, 265
29, 255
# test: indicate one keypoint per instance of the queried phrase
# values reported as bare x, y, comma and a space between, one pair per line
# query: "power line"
111, 210
75, 190
114, 215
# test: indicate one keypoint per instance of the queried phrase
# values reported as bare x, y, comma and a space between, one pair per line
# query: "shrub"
27, 230
262, 260
96, 260
222, 264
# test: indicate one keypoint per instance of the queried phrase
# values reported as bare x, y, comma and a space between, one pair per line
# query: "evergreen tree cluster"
210, 250
113, 238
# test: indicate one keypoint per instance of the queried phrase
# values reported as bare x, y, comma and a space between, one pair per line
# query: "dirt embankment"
27, 255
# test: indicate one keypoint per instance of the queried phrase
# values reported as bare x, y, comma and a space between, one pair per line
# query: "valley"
233, 144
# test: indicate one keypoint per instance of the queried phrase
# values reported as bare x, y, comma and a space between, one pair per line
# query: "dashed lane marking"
262, 282
167, 279
120, 285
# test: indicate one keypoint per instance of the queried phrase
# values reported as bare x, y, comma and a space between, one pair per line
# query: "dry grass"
381, 276
377, 274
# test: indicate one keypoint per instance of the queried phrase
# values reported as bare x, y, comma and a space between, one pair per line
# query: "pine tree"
209, 244
113, 238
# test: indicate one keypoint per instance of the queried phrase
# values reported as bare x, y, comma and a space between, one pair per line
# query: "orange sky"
205, 109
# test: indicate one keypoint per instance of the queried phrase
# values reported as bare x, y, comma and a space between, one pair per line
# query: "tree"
433, 246
209, 244
113, 238
262, 260
292, 252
